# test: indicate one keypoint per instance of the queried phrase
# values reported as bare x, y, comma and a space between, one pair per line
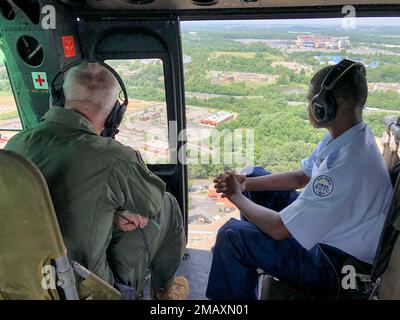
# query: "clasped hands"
230, 184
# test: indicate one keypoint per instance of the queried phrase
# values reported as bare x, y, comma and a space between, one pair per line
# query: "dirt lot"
295, 66
203, 236
7, 103
217, 54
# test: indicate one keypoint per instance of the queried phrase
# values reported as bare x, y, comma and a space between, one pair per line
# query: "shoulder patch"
323, 186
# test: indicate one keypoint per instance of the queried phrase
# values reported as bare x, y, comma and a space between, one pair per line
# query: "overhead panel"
140, 5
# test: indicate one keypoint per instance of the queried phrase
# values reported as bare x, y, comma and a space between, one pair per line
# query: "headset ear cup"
323, 105
331, 108
318, 109
62, 99
323, 108
55, 98
114, 120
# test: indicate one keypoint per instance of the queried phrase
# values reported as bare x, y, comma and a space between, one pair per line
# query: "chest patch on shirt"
323, 186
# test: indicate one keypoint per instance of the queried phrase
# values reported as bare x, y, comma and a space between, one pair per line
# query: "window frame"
15, 100
162, 58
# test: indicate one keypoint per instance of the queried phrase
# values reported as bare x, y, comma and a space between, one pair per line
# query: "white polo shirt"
346, 201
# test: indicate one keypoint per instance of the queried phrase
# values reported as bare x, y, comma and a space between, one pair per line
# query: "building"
187, 59
3, 138
129, 73
227, 78
199, 219
158, 147
150, 115
212, 193
380, 86
150, 61
310, 41
257, 77
331, 60
245, 76
217, 118
226, 203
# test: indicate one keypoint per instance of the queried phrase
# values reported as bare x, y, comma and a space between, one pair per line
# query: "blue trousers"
241, 248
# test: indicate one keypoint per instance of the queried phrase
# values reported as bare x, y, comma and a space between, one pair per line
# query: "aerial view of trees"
276, 110
283, 135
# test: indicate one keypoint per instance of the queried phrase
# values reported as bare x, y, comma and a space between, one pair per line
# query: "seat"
384, 280
274, 289
31, 241
386, 269
389, 288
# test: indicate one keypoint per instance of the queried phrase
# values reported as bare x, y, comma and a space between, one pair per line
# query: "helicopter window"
145, 125
31, 8
254, 75
10, 122
7, 10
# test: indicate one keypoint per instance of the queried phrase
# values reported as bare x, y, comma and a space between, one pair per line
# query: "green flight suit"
90, 178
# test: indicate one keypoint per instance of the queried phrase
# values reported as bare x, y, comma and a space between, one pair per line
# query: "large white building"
217, 118
311, 41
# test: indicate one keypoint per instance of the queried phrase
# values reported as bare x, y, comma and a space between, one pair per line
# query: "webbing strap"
389, 233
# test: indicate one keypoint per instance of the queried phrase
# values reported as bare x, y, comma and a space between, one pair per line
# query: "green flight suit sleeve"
135, 188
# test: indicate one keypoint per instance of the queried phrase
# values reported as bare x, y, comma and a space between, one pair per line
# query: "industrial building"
212, 193
381, 86
150, 115
217, 118
322, 42
158, 147
244, 76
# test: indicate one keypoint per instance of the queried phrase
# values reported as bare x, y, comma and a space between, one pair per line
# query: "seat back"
29, 231
387, 261
389, 288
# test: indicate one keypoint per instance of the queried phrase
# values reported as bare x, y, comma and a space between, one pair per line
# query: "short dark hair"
350, 91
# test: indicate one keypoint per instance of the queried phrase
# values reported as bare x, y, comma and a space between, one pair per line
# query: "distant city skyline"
361, 21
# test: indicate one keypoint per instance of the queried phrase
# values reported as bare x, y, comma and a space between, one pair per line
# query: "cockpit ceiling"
213, 4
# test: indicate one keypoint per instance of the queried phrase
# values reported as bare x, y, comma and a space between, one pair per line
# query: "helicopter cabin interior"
163, 51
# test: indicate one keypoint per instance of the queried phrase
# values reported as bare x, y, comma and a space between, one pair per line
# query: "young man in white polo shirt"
338, 216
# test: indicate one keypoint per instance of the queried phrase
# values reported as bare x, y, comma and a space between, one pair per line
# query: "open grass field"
248, 55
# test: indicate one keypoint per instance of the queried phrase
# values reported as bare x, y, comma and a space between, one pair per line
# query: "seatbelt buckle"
365, 285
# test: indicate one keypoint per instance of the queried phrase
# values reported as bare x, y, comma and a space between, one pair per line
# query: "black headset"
113, 121
323, 105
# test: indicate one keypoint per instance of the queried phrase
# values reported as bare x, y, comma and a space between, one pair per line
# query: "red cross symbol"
40, 80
